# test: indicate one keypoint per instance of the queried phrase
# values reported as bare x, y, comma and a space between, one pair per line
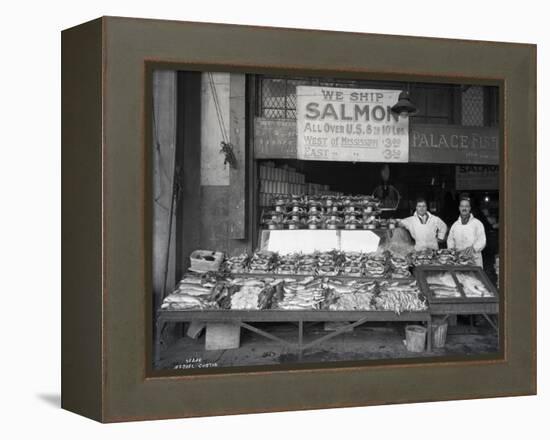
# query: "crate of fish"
456, 284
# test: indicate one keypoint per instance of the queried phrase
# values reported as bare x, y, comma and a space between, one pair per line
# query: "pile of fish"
261, 262
376, 265
463, 259
353, 264
329, 263
237, 264
258, 263
399, 297
422, 258
307, 265
350, 295
445, 257
287, 264
306, 294
441, 257
472, 286
443, 285
399, 267
249, 294
194, 292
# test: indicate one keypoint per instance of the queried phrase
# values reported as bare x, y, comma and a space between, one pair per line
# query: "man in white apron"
467, 234
426, 229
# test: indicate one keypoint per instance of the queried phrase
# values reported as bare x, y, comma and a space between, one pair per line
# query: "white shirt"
471, 234
425, 233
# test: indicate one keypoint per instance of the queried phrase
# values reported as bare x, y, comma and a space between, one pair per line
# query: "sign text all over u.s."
352, 125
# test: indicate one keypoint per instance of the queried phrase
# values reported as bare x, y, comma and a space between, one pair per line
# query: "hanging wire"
219, 114
226, 146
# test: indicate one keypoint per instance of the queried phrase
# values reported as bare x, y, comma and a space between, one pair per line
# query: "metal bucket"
415, 338
439, 334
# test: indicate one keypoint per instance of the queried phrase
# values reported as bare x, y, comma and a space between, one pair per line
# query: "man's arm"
480, 239
406, 223
451, 238
441, 229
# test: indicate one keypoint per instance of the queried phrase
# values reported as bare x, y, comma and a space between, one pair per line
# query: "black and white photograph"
301, 220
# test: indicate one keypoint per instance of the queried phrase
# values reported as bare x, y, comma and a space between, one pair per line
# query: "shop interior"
436, 183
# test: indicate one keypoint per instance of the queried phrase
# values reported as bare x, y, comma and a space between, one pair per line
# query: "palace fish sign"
457, 144
352, 125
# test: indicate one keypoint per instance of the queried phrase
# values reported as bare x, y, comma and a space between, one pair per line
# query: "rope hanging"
226, 146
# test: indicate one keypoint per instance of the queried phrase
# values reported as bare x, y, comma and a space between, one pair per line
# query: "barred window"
472, 106
277, 95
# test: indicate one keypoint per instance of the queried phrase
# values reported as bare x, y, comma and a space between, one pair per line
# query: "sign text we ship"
352, 125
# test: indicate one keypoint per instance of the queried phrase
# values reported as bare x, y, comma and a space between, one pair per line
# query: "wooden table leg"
158, 341
300, 338
429, 334
490, 321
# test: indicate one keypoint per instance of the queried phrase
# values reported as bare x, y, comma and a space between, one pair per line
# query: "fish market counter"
245, 299
225, 303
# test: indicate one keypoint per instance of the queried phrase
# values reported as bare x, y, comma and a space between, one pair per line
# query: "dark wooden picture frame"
106, 215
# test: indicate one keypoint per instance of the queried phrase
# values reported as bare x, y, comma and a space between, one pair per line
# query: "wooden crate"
222, 336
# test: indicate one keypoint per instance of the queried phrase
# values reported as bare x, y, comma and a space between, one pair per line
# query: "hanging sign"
274, 138
352, 125
438, 143
481, 177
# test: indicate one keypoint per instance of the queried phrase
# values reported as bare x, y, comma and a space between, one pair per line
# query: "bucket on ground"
415, 338
439, 333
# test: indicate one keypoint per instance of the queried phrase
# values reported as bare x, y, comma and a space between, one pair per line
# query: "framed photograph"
300, 218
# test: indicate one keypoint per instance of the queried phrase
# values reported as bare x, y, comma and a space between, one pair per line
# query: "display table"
244, 318
462, 305
483, 309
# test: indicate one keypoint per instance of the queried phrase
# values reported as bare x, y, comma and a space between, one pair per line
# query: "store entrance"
434, 182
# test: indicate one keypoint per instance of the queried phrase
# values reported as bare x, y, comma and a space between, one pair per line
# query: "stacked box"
286, 181
266, 199
262, 172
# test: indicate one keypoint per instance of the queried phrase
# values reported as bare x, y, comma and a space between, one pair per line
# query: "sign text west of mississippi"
353, 125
